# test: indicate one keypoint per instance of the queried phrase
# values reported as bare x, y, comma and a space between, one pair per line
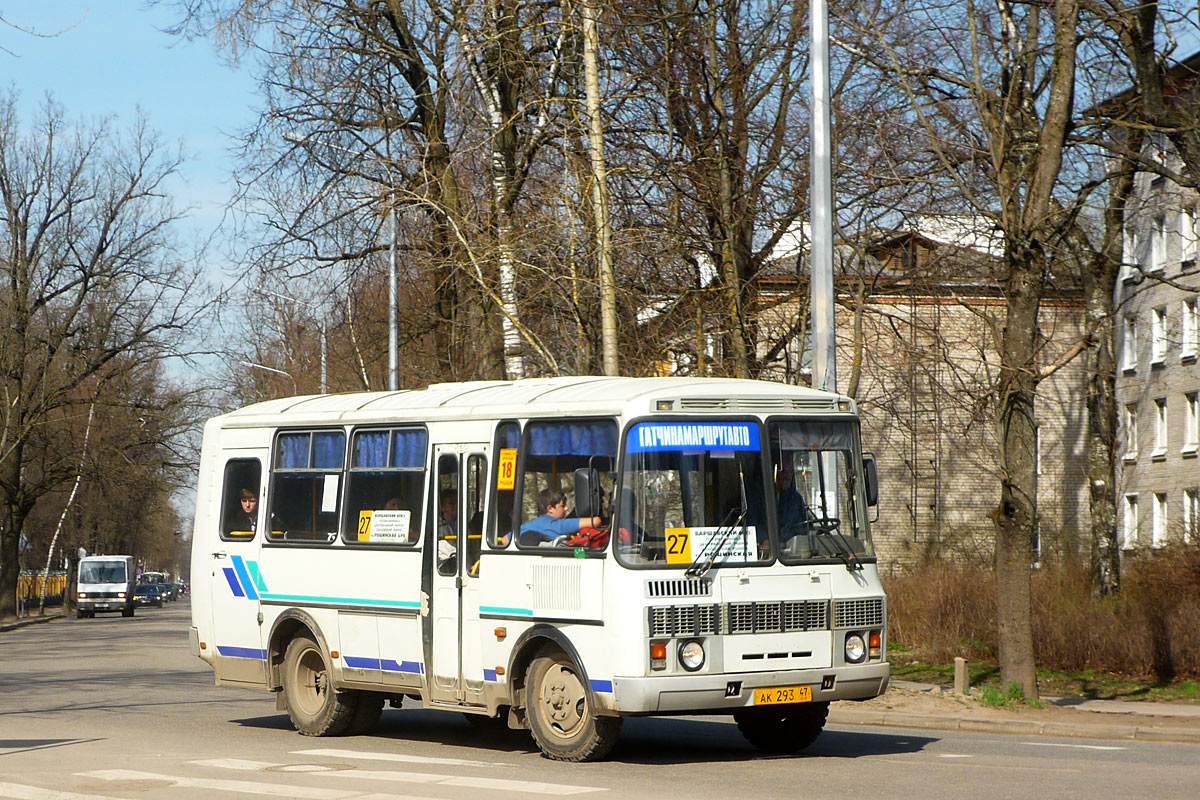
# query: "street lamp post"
393, 382
288, 375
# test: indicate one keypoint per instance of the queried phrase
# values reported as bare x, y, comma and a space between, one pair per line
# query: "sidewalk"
11, 623
913, 705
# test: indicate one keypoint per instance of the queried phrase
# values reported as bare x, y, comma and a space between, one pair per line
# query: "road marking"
333, 753
1077, 746
22, 792
524, 787
954, 755
246, 787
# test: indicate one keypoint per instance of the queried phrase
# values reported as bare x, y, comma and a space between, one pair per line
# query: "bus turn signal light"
658, 655
874, 644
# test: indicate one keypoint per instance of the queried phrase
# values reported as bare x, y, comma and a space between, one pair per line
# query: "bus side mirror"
587, 492
872, 477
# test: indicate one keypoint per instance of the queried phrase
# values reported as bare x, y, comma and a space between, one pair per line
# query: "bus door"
456, 674
235, 582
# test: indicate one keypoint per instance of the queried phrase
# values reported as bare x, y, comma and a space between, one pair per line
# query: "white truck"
105, 584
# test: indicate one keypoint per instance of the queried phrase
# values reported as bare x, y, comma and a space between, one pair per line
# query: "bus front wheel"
561, 717
782, 729
315, 707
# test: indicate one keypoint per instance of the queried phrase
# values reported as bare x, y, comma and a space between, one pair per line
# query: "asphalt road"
118, 708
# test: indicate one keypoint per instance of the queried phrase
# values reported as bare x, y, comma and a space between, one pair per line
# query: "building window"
1131, 521
1158, 537
1191, 440
1160, 428
1191, 330
1129, 342
1191, 515
1130, 424
1158, 335
1189, 245
1158, 244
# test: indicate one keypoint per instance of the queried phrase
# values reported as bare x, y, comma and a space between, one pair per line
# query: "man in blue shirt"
554, 522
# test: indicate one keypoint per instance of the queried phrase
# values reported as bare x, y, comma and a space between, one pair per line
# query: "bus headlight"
856, 648
691, 655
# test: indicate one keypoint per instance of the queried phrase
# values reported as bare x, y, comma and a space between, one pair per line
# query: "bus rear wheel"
561, 717
782, 729
315, 707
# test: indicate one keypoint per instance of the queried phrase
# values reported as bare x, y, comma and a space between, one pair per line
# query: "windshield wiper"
704, 562
828, 529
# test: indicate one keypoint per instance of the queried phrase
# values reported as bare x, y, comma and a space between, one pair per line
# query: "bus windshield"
692, 494
815, 472
699, 495
102, 572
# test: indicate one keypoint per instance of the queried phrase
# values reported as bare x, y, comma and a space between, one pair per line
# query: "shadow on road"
644, 740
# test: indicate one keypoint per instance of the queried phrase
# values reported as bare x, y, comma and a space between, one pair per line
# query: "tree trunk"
1016, 517
608, 291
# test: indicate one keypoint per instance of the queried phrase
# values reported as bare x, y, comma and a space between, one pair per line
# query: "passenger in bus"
555, 522
447, 530
249, 510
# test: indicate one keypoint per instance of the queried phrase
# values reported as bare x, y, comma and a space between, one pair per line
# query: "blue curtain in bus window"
408, 451
573, 439
293, 451
370, 449
509, 436
329, 449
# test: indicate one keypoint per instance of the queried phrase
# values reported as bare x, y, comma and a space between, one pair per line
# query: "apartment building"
925, 350
1158, 377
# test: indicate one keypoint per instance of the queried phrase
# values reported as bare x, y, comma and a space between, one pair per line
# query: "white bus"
351, 550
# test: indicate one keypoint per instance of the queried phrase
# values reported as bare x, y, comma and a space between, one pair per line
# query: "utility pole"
824, 338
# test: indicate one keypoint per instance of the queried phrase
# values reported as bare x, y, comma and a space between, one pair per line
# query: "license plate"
782, 694
101, 605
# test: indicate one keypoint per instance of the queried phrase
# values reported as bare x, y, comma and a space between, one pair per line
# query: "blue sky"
112, 58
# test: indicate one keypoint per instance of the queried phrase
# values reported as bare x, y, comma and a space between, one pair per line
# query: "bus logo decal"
231, 576
239, 566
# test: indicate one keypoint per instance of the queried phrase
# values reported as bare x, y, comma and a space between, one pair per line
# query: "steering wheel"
824, 524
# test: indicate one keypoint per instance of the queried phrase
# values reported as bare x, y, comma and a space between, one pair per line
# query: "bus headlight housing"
856, 648
691, 655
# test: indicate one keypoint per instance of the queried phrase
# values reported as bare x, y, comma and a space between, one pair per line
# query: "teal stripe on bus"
345, 601
527, 612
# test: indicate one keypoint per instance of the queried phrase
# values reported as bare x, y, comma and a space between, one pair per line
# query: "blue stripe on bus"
346, 601
241, 652
231, 576
527, 612
361, 663
239, 564
413, 667
490, 675
601, 686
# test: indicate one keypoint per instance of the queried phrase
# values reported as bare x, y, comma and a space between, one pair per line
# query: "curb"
1015, 727
23, 621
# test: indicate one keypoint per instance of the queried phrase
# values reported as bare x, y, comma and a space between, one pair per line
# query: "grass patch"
1087, 683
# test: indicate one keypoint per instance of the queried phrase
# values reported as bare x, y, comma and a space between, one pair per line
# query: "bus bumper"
732, 691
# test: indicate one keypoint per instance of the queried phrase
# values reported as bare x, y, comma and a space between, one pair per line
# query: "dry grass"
1151, 630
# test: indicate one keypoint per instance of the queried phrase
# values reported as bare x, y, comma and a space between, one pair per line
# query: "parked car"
148, 594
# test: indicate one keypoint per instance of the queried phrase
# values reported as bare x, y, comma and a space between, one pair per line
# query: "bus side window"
385, 487
500, 521
243, 478
445, 515
554, 450
306, 486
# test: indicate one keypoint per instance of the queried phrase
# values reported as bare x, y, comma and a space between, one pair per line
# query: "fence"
29, 591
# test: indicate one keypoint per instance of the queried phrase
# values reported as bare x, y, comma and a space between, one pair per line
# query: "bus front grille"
864, 613
733, 618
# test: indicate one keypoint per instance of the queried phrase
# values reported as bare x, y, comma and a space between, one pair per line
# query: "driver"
790, 507
555, 522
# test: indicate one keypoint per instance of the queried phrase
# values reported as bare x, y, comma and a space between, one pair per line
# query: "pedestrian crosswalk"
313, 774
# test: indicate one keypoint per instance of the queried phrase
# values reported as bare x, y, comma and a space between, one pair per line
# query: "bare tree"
92, 289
